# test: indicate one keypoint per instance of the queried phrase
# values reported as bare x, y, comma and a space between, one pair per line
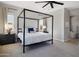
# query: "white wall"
61, 24
66, 24
49, 25
58, 24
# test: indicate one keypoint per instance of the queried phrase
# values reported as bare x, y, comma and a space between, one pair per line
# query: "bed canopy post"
37, 25
17, 28
24, 32
17, 25
52, 29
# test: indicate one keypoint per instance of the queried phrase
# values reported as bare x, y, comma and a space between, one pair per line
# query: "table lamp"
8, 27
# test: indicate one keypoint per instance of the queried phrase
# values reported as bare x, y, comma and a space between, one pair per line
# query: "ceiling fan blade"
45, 5
51, 5
58, 3
41, 2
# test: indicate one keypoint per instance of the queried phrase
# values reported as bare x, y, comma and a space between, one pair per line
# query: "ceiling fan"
50, 2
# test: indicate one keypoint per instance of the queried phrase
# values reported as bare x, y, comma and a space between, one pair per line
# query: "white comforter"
31, 38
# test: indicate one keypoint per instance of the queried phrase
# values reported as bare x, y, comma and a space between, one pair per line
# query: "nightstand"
7, 39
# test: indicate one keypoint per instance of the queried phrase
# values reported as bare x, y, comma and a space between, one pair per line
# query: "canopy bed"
27, 37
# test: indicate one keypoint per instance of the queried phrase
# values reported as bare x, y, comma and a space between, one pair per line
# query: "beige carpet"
73, 41
58, 49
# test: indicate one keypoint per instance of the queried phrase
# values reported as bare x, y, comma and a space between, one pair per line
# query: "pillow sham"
30, 30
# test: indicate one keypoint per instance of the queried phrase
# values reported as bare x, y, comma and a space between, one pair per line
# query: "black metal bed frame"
24, 17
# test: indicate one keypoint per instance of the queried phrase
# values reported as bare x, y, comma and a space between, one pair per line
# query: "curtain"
4, 11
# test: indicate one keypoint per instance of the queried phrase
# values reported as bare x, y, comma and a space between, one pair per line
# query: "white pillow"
35, 30
26, 30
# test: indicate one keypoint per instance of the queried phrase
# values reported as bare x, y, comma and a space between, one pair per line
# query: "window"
10, 18
10, 21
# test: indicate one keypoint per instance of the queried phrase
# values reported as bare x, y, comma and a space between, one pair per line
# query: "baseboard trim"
59, 40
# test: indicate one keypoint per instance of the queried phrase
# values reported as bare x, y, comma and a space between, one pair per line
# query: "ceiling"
38, 7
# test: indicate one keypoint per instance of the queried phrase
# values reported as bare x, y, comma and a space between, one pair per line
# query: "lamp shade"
44, 27
8, 26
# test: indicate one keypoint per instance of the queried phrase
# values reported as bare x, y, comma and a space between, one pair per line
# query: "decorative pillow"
35, 29
30, 30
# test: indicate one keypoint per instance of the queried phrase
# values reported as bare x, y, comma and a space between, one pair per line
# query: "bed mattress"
31, 38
